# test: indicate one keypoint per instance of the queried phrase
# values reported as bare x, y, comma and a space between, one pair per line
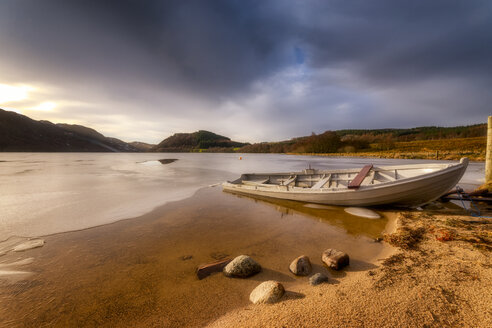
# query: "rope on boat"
473, 210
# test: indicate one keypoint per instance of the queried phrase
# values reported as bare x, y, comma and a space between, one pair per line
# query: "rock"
206, 270
362, 212
242, 266
301, 266
167, 160
335, 259
318, 278
267, 292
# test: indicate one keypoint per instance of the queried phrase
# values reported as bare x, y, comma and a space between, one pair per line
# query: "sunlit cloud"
47, 106
252, 72
12, 93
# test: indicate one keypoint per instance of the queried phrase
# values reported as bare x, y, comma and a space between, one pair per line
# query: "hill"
21, 133
418, 133
420, 142
142, 146
197, 141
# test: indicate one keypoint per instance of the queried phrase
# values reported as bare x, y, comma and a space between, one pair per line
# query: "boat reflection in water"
333, 215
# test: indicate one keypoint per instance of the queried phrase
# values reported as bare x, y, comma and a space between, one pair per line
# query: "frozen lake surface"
47, 193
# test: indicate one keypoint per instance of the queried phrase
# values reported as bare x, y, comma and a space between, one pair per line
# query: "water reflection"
333, 215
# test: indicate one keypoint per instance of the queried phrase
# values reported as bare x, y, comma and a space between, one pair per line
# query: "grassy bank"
445, 149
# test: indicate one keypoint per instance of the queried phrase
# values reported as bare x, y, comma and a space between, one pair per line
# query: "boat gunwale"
446, 168
356, 170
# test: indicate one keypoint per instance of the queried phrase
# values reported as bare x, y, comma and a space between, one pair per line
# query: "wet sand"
141, 272
440, 276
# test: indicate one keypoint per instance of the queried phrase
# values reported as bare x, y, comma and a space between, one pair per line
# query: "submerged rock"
267, 292
362, 212
242, 266
335, 259
318, 278
301, 266
167, 160
320, 206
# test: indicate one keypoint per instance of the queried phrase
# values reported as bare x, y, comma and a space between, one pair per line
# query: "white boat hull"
414, 191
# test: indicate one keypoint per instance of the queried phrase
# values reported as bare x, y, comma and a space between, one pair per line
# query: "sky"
252, 70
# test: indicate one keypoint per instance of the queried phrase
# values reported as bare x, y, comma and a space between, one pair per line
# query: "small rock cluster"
333, 258
271, 291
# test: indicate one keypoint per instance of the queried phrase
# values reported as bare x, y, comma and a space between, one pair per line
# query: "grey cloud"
396, 63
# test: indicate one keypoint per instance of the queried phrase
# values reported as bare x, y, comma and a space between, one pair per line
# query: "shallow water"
46, 193
141, 272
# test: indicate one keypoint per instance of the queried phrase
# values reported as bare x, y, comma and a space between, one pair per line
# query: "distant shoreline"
403, 155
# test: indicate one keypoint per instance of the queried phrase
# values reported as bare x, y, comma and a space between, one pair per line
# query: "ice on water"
46, 193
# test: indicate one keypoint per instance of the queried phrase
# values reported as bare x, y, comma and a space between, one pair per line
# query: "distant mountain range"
23, 134
20, 133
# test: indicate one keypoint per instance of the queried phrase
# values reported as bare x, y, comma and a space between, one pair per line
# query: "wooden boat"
399, 185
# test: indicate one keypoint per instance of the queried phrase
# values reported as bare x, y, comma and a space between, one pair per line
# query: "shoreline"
157, 208
400, 155
435, 277
143, 267
141, 272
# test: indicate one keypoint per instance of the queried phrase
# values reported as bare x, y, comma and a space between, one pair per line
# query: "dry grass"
445, 149
406, 236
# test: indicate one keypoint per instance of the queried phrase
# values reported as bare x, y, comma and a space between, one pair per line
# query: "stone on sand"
301, 266
318, 278
242, 266
335, 259
267, 292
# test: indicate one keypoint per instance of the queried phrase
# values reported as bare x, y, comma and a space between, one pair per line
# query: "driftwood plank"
204, 270
355, 183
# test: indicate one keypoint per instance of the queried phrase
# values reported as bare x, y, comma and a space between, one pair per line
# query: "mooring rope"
473, 210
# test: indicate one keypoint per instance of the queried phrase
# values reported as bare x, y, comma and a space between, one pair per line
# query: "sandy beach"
141, 272
440, 275
431, 269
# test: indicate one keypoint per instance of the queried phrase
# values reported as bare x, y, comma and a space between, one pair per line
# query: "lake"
97, 269
47, 193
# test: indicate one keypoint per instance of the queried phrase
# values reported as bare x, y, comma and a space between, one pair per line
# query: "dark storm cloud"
404, 40
305, 65
215, 46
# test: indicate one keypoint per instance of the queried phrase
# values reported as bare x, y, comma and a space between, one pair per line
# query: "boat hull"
408, 193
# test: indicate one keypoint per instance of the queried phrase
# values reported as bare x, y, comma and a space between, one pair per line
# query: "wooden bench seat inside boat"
357, 181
